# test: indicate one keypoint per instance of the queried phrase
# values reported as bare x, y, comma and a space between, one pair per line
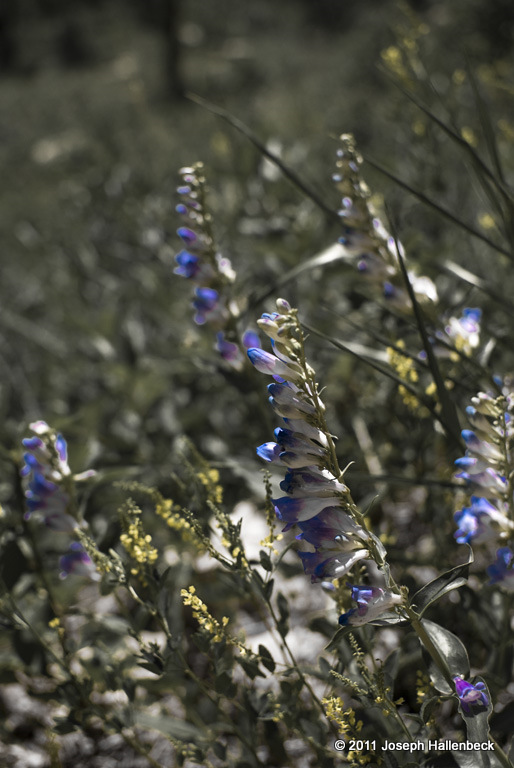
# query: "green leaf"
324, 666
283, 610
250, 667
453, 579
265, 561
266, 658
224, 685
451, 649
335, 643
386, 619
428, 707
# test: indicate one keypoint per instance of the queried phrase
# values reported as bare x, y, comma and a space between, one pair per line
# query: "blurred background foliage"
96, 332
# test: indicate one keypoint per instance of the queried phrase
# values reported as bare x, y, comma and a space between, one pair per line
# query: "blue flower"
229, 351
476, 522
472, 697
265, 362
188, 264
205, 303
320, 567
502, 570
46, 466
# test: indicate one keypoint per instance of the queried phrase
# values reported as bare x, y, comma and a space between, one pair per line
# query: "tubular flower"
371, 604
316, 498
472, 697
365, 239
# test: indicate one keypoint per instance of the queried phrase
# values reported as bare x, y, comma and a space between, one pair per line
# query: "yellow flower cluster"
170, 513
423, 687
210, 480
343, 718
270, 540
203, 617
135, 541
405, 368
347, 724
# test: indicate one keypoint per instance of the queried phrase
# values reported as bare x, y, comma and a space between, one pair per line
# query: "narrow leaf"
453, 652
453, 579
288, 173
436, 207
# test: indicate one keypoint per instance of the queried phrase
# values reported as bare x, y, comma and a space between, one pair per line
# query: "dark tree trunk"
171, 20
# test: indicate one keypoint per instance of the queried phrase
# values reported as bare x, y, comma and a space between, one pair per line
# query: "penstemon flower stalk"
201, 262
50, 493
317, 500
366, 240
487, 469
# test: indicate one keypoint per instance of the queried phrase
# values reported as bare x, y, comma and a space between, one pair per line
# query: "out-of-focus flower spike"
365, 239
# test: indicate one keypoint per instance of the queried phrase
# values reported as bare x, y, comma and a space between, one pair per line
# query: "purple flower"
187, 235
270, 452
46, 465
188, 264
502, 570
330, 529
472, 697
205, 303
291, 511
311, 482
229, 351
480, 447
320, 567
488, 482
285, 395
372, 602
251, 339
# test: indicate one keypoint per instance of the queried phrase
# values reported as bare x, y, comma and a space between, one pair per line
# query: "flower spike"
317, 500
